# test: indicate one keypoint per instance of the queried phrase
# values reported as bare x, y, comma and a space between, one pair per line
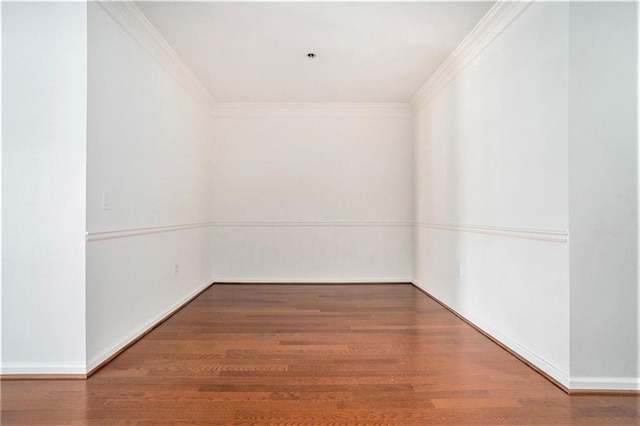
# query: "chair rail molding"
550, 235
92, 236
135, 232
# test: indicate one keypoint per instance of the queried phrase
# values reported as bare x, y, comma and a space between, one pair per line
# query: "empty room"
323, 212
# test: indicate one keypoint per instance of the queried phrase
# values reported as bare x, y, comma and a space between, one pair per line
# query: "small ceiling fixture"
311, 55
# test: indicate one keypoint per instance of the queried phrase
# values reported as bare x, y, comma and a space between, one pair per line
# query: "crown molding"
312, 109
129, 17
499, 17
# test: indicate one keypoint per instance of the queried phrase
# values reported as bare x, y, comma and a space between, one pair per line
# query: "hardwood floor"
311, 354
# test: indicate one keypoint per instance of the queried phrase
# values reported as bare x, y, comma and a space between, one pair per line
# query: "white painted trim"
306, 109
499, 17
129, 17
311, 224
535, 359
97, 360
549, 235
605, 383
135, 232
48, 368
235, 280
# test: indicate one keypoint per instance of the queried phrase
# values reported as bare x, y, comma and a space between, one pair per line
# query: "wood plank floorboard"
312, 354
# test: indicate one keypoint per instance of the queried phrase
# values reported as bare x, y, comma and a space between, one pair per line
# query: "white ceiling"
366, 52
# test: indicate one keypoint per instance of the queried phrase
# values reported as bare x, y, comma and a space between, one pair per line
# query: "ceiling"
365, 51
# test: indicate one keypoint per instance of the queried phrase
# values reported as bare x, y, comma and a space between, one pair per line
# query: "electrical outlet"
459, 270
106, 200
175, 270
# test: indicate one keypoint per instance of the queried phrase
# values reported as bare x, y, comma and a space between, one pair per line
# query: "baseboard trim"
306, 281
43, 377
604, 392
495, 340
327, 282
42, 371
605, 386
578, 385
95, 366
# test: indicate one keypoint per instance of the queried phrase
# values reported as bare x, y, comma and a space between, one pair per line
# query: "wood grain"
312, 354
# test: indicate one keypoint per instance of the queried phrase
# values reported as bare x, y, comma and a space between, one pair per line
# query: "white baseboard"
605, 383
133, 336
43, 368
312, 280
534, 359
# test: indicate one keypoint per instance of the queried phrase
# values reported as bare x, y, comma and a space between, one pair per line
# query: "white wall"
315, 192
491, 190
44, 57
603, 179
148, 144
535, 139
1, 244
